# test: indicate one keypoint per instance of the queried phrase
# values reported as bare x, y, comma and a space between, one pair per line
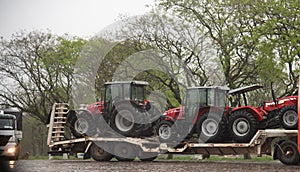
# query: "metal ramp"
58, 119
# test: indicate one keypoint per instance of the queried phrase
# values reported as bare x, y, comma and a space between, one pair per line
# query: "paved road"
156, 166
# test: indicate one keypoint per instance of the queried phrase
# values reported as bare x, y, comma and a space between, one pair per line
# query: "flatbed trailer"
280, 143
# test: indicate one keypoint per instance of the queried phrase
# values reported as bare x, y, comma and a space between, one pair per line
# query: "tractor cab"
202, 99
119, 91
202, 114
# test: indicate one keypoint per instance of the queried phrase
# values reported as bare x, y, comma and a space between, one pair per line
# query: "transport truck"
280, 143
10, 133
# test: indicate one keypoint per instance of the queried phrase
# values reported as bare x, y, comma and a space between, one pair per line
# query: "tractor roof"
7, 116
209, 87
144, 83
245, 89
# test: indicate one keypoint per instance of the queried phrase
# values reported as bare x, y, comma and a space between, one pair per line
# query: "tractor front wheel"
211, 127
289, 117
243, 126
81, 123
165, 131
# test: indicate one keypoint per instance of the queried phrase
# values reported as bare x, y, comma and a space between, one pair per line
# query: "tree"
37, 70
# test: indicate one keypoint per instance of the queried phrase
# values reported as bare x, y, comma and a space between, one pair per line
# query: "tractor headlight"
11, 150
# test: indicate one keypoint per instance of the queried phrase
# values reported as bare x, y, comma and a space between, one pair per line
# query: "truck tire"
99, 154
165, 131
289, 117
211, 127
82, 123
242, 126
287, 153
123, 120
124, 152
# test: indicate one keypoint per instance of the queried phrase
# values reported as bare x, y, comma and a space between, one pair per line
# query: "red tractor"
203, 115
124, 109
245, 120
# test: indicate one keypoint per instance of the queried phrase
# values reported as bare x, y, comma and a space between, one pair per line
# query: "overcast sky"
82, 18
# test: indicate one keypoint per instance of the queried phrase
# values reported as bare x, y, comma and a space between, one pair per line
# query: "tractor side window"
112, 92
211, 97
127, 92
201, 98
137, 93
221, 98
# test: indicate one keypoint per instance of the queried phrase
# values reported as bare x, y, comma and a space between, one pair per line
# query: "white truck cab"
10, 136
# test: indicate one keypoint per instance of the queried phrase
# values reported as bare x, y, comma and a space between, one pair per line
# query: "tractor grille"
4, 140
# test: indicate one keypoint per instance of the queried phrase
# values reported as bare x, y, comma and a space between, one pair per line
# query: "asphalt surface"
138, 166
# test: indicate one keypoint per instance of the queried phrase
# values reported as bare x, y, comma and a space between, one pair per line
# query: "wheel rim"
209, 127
289, 152
81, 125
98, 151
164, 131
290, 118
124, 120
241, 127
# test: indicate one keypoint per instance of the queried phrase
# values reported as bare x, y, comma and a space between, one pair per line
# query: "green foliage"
37, 70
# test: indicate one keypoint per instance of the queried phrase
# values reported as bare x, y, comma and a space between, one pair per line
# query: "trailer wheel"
289, 117
99, 154
165, 131
211, 127
243, 126
124, 152
123, 120
287, 153
145, 156
82, 123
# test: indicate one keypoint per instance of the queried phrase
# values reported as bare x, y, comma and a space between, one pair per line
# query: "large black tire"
165, 131
211, 127
289, 117
125, 152
148, 157
242, 126
287, 153
123, 120
81, 123
99, 154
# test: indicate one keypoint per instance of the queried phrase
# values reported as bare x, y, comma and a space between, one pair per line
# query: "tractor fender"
254, 111
166, 118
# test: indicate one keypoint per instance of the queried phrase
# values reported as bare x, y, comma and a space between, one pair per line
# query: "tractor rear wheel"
287, 153
81, 123
123, 120
289, 117
243, 126
211, 127
99, 154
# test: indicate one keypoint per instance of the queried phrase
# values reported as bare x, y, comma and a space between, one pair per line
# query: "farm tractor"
203, 115
245, 120
213, 121
124, 109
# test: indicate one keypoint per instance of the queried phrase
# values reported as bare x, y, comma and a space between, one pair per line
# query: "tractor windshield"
7, 124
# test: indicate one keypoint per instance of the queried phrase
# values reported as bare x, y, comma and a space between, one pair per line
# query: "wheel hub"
81, 125
124, 120
210, 127
241, 127
290, 118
